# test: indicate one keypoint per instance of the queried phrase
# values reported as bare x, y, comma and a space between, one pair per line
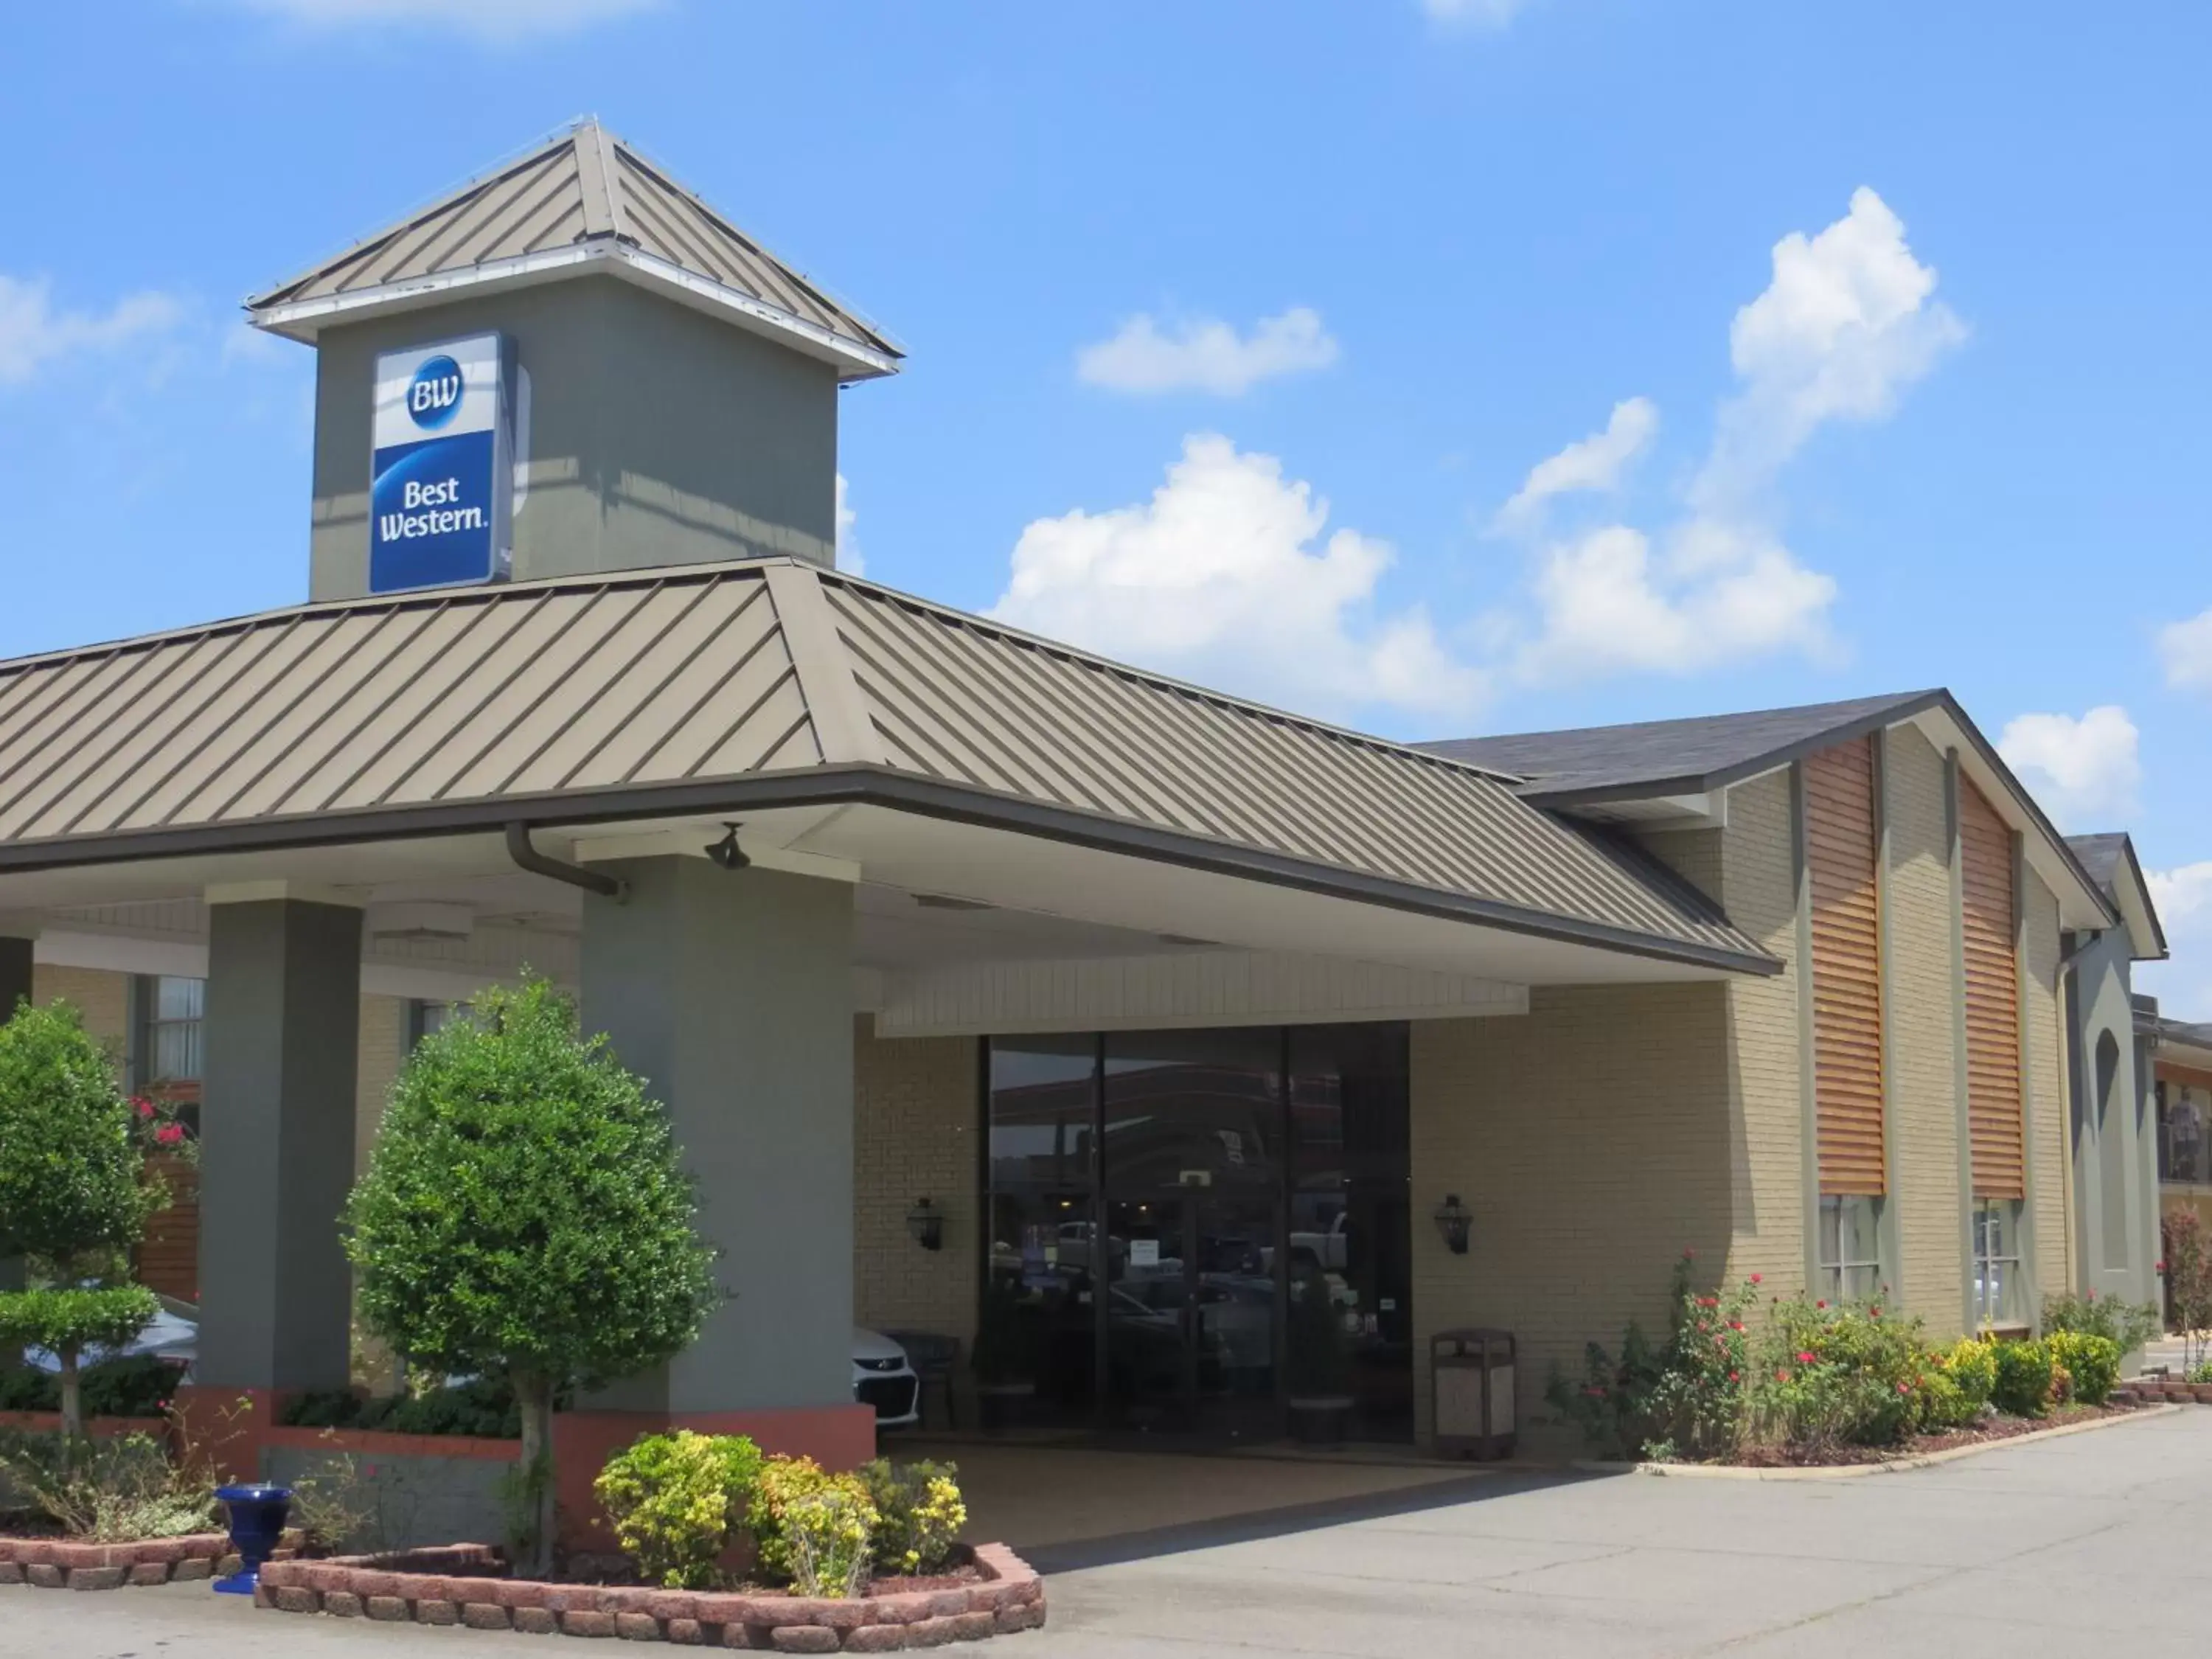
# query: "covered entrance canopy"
958, 828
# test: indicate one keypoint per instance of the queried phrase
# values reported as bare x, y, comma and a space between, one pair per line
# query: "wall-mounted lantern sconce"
727, 852
926, 1224
1453, 1219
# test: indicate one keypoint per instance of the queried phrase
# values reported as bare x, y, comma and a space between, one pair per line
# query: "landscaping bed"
993, 1593
1987, 1431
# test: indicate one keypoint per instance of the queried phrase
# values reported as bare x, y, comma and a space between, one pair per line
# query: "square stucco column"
283, 1024
14, 973
730, 992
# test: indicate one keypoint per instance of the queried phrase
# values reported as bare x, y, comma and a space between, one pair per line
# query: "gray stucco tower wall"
276, 1151
731, 993
658, 434
2115, 1200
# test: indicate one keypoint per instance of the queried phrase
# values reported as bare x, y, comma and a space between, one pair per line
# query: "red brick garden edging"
60, 1562
455, 1585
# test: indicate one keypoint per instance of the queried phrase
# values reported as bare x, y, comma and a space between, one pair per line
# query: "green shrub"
2022, 1386
2203, 1373
2091, 1364
525, 1217
1845, 1374
675, 1499
800, 1539
484, 1408
1972, 1364
2127, 1325
919, 1513
74, 1193
139, 1385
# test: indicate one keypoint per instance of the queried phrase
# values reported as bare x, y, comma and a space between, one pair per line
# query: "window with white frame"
2000, 1296
1850, 1249
176, 1010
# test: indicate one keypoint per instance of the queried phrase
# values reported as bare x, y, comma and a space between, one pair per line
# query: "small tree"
525, 1214
75, 1194
2189, 1283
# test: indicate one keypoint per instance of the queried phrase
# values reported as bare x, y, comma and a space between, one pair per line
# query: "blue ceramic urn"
257, 1526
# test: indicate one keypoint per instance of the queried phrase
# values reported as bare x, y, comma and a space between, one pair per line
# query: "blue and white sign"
443, 472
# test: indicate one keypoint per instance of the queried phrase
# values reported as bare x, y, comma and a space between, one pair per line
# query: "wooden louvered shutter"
1994, 1104
1841, 848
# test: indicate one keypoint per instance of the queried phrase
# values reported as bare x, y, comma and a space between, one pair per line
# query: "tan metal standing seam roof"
582, 185
701, 688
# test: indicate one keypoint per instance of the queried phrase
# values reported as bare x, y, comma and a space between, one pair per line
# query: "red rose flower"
1754, 1278
169, 1134
1807, 1357
143, 1107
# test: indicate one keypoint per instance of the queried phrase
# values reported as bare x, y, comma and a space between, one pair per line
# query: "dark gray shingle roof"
1679, 757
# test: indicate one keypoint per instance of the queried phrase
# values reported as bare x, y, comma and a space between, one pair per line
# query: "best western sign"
443, 466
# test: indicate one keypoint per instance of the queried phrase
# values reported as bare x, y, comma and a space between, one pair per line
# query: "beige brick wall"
2045, 1082
1922, 991
103, 997
1590, 1137
1765, 1112
383, 1047
913, 1136
1696, 855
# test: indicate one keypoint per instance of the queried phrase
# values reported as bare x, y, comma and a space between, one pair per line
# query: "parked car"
883, 1376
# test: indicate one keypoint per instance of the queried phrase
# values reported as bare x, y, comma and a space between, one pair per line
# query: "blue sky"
1439, 366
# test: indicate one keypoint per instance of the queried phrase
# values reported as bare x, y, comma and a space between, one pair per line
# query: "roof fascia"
864, 785
2154, 949
1947, 727
303, 319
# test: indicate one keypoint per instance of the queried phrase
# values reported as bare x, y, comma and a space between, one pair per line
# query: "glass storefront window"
1156, 1196
1194, 1110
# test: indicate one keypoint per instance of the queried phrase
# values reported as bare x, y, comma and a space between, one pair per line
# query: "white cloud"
1608, 607
2085, 772
2186, 649
1848, 321
849, 543
1224, 577
33, 334
1206, 355
2183, 897
500, 22
1497, 14
1595, 463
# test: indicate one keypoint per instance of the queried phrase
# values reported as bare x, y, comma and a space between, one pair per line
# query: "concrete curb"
1852, 1471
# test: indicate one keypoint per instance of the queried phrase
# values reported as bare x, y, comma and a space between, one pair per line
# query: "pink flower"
1807, 1357
143, 1107
1781, 1377
169, 1134
1903, 1386
1735, 1325
1755, 1278
1874, 1313
1820, 1304
1732, 1376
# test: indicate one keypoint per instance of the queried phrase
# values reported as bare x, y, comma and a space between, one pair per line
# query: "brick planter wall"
460, 1585
59, 1564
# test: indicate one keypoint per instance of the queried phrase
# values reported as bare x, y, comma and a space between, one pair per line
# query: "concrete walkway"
2097, 1542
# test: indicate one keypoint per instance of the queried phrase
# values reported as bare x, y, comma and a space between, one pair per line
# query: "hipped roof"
763, 683
584, 200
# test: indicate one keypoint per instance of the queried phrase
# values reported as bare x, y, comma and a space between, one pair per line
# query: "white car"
884, 1378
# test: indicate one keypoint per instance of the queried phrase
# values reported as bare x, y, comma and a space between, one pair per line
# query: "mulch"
1990, 1429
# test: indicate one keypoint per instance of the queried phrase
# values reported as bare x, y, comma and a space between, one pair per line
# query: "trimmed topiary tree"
525, 1214
74, 1193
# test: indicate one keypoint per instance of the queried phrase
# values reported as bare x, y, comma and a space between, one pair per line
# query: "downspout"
528, 857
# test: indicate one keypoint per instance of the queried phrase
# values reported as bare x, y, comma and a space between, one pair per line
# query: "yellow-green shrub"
919, 1513
2024, 1377
2091, 1363
807, 1524
675, 1499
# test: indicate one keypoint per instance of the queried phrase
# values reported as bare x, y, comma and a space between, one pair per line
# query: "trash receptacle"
1472, 1371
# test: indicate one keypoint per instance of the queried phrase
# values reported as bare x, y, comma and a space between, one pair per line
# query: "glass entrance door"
1192, 1316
